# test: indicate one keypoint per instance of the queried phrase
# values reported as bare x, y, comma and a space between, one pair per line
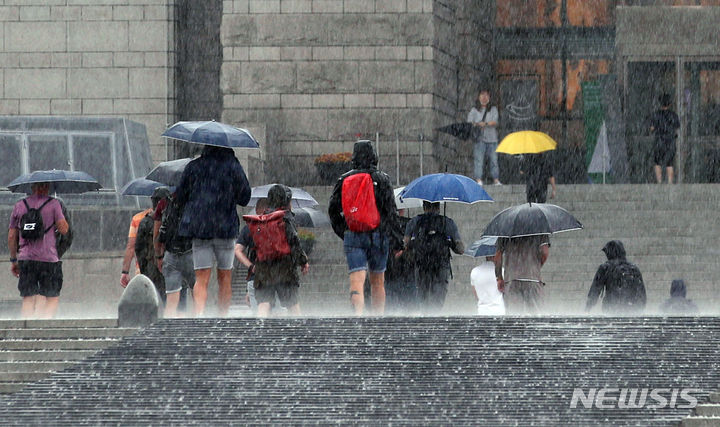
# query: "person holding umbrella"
484, 119
33, 254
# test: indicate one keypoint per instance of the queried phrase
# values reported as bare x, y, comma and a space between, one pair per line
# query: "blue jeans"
366, 251
481, 149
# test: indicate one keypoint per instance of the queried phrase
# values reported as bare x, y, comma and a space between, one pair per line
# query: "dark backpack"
430, 243
144, 249
31, 223
358, 203
626, 292
64, 241
268, 234
168, 234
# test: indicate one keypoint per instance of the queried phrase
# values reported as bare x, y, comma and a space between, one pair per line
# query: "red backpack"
358, 203
268, 234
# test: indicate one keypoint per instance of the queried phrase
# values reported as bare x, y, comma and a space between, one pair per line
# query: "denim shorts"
366, 251
178, 271
221, 250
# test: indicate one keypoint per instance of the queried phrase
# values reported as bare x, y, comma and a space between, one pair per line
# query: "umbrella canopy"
141, 187
446, 187
300, 197
482, 248
461, 130
61, 182
212, 133
311, 217
531, 219
406, 203
526, 142
169, 173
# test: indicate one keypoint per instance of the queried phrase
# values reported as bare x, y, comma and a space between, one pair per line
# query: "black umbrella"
169, 173
462, 130
531, 219
141, 187
61, 182
310, 217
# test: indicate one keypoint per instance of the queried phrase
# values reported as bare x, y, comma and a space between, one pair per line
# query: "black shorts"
40, 278
664, 153
287, 293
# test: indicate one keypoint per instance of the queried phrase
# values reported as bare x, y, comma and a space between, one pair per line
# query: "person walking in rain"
278, 276
363, 213
517, 269
664, 124
33, 253
678, 303
538, 171
484, 285
484, 119
400, 288
620, 281
430, 237
245, 254
210, 189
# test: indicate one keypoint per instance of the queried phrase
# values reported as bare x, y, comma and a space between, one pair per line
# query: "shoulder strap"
26, 205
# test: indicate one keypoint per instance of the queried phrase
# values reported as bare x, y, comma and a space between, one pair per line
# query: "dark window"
93, 154
47, 152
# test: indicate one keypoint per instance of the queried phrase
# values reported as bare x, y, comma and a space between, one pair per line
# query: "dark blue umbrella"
212, 133
446, 187
141, 187
170, 172
61, 182
483, 247
300, 197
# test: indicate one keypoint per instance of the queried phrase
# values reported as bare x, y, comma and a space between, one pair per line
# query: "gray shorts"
221, 251
178, 271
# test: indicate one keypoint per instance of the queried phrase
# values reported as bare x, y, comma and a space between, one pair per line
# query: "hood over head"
364, 156
614, 249
678, 289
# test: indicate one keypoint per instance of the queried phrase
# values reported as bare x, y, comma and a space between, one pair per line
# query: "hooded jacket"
678, 303
606, 281
364, 160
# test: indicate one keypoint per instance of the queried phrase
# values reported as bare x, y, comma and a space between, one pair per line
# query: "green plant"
306, 235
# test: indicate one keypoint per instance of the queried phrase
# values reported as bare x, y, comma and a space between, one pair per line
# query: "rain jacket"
678, 303
283, 270
210, 188
364, 160
616, 298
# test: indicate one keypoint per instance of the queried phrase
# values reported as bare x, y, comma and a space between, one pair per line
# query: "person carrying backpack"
175, 251
620, 281
33, 252
277, 253
145, 247
429, 237
363, 213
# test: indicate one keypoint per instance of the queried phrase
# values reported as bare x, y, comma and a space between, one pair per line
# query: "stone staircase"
668, 231
31, 350
706, 414
381, 371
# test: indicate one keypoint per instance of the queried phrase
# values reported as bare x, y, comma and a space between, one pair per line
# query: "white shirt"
490, 300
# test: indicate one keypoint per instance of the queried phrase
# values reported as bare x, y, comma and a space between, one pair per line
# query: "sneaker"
479, 181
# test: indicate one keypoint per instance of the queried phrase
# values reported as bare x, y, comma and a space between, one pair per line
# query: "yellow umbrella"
526, 142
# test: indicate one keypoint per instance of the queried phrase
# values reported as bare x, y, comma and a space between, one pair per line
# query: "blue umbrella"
170, 172
446, 187
212, 133
141, 187
483, 247
300, 197
61, 182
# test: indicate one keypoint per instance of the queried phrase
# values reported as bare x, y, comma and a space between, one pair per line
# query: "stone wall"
110, 58
320, 74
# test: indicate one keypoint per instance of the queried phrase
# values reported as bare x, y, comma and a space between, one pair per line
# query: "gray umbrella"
531, 219
310, 217
169, 173
61, 182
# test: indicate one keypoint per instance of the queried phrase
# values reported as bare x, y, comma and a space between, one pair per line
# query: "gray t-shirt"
489, 133
522, 257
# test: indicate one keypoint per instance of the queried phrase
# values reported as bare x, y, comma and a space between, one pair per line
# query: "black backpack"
430, 245
63, 241
31, 223
626, 292
144, 249
168, 234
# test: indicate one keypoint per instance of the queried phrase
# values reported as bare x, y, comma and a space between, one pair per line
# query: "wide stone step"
35, 366
43, 355
59, 333
701, 422
70, 344
708, 410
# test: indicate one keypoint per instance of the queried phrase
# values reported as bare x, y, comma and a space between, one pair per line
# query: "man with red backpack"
277, 253
363, 213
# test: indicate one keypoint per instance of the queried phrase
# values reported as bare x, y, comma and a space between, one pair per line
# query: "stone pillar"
139, 304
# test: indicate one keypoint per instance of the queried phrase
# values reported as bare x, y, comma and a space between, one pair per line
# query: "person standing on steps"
484, 119
664, 124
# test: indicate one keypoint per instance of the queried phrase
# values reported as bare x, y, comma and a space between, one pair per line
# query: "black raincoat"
678, 303
617, 299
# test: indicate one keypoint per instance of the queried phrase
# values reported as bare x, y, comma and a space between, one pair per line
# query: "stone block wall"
109, 58
320, 74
